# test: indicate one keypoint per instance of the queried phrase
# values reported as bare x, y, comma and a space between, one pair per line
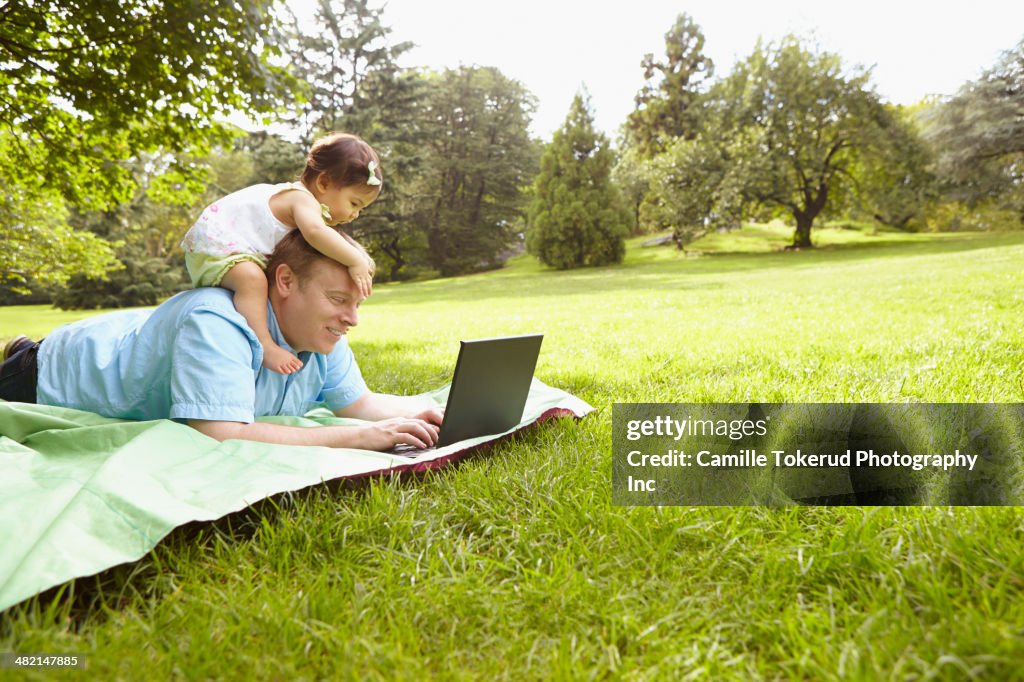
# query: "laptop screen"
489, 390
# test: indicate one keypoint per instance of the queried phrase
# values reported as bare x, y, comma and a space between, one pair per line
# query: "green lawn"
515, 565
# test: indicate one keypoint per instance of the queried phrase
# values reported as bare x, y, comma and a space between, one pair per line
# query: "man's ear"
285, 280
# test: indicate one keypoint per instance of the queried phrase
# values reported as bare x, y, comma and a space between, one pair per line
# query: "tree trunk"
802, 236
394, 250
805, 218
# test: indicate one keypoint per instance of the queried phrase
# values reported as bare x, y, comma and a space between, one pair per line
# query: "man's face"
314, 313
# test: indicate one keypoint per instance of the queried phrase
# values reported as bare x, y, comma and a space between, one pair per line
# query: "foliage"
632, 175
346, 45
697, 186
142, 281
270, 159
782, 132
91, 85
980, 136
95, 82
39, 245
984, 121
977, 216
578, 216
808, 122
893, 182
668, 106
148, 230
477, 158
393, 118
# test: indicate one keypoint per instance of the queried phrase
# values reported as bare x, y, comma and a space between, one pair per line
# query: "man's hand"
433, 415
388, 433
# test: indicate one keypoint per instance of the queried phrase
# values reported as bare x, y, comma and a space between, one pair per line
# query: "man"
195, 360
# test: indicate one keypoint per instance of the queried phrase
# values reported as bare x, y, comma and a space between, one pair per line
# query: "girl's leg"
249, 283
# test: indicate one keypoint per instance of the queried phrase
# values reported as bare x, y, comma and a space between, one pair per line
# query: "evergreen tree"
668, 106
578, 217
356, 86
478, 157
346, 48
979, 137
273, 159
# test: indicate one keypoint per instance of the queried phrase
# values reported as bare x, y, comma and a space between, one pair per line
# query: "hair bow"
373, 181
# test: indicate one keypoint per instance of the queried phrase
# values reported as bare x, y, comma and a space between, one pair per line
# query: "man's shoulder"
205, 322
213, 299
202, 307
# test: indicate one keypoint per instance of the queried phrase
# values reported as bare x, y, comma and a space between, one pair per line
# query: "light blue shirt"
193, 357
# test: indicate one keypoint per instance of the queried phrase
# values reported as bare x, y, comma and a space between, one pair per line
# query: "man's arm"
381, 435
376, 406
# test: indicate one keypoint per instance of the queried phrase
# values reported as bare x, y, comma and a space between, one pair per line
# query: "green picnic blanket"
80, 493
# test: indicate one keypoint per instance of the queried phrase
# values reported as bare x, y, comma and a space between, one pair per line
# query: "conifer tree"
349, 64
578, 216
668, 106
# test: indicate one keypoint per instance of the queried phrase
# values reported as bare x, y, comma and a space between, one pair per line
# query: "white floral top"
241, 222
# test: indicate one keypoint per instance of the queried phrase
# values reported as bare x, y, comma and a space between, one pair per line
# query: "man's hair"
295, 252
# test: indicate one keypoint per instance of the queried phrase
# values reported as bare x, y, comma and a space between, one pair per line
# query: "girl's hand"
360, 274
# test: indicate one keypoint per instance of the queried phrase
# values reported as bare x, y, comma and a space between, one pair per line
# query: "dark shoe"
16, 344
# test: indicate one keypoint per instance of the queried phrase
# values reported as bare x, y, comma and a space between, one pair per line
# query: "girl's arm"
327, 241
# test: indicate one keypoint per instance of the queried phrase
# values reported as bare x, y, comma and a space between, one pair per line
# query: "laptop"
489, 389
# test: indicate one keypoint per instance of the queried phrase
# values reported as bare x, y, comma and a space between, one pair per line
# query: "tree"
985, 120
782, 131
347, 46
697, 185
391, 114
668, 106
577, 217
40, 247
356, 86
892, 182
272, 158
979, 134
148, 229
477, 159
632, 175
93, 82
89, 84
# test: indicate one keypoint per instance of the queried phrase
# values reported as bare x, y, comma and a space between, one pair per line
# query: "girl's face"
345, 203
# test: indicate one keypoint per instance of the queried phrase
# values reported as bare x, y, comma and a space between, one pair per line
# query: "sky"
553, 47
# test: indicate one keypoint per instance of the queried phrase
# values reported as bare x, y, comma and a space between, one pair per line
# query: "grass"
515, 565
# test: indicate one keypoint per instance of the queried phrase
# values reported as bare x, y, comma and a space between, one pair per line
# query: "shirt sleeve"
343, 383
213, 368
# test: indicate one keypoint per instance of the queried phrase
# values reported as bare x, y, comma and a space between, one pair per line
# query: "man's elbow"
215, 429
360, 409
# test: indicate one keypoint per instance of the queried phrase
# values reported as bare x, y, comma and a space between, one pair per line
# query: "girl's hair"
344, 158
